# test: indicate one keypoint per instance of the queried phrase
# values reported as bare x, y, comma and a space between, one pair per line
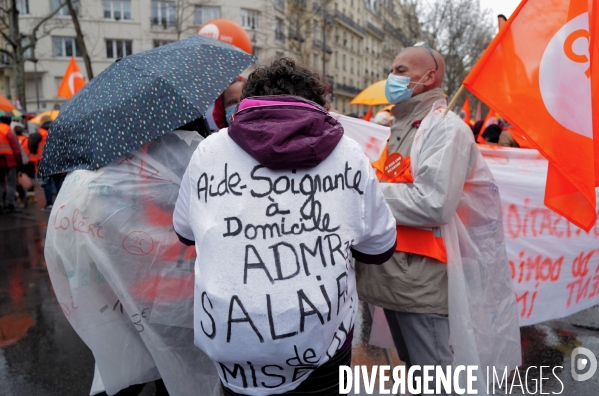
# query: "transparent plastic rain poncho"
483, 316
120, 274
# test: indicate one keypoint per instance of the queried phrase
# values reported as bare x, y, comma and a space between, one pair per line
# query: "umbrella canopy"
38, 118
372, 96
138, 99
5, 104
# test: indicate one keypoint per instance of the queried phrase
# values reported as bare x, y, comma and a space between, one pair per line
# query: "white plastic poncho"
483, 315
120, 274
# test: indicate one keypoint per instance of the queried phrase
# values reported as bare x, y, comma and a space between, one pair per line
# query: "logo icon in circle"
138, 243
579, 363
210, 30
564, 77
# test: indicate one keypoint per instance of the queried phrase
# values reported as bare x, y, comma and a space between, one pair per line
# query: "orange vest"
421, 241
40, 150
24, 142
5, 147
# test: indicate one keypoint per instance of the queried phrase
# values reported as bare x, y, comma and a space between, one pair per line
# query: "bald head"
419, 64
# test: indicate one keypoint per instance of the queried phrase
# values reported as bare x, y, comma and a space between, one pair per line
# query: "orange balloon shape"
227, 31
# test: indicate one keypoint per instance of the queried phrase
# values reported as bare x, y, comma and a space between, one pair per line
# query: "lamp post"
254, 39
324, 39
37, 91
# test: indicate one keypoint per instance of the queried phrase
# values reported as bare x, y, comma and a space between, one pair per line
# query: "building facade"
352, 41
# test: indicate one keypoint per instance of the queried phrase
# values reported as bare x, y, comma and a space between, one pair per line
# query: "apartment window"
30, 89
4, 59
315, 30
205, 14
64, 10
163, 13
116, 49
358, 69
23, 7
160, 43
279, 54
343, 63
117, 10
25, 41
65, 47
250, 18
280, 31
336, 59
316, 61
280, 5
351, 65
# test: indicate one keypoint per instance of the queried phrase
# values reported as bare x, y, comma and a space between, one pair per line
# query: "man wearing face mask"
449, 231
226, 104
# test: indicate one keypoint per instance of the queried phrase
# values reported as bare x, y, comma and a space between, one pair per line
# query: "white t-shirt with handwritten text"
275, 293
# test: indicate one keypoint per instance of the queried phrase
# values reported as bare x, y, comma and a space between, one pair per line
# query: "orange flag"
536, 73
72, 81
368, 115
479, 112
466, 110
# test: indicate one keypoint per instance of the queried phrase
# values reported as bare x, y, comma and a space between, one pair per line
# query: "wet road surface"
40, 354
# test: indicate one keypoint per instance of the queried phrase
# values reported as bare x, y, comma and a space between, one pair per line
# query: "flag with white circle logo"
537, 73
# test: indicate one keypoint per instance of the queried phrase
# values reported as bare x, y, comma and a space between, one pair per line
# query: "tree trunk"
19, 75
18, 58
80, 40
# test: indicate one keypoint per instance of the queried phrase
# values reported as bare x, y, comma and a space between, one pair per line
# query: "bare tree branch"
458, 29
6, 52
42, 21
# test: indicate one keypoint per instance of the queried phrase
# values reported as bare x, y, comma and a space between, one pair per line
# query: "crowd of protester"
20, 154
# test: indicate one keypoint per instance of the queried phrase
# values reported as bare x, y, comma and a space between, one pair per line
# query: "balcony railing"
163, 22
393, 31
318, 44
375, 30
350, 23
347, 88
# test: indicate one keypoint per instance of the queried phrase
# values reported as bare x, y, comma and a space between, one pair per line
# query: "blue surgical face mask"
396, 88
229, 111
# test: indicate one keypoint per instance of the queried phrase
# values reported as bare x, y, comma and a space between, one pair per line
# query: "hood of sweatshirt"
285, 132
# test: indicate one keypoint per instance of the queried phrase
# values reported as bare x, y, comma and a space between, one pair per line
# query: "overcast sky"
505, 7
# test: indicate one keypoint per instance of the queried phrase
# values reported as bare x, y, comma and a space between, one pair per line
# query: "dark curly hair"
284, 77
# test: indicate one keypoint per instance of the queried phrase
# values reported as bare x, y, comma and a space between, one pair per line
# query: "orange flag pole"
454, 99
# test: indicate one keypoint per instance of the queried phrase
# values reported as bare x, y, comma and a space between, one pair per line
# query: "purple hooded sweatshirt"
285, 132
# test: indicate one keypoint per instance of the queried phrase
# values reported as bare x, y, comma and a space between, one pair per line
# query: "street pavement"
41, 355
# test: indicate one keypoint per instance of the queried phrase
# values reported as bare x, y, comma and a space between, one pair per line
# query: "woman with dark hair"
227, 102
277, 204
